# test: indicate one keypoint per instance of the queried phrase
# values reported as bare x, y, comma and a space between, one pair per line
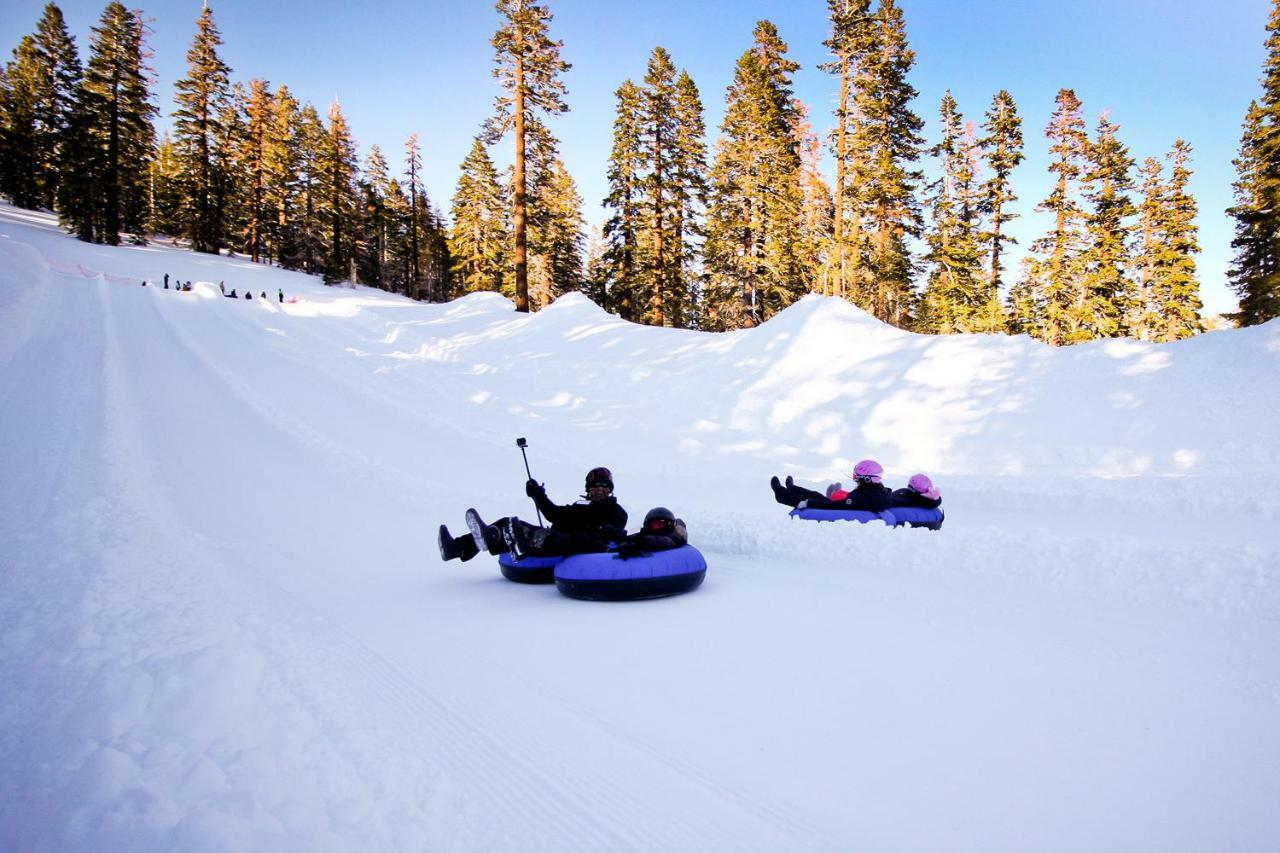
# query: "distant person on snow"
280, 295
166, 281
263, 295
248, 295
232, 294
584, 527
223, 288
868, 493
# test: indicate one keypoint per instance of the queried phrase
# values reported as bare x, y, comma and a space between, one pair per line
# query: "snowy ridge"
223, 624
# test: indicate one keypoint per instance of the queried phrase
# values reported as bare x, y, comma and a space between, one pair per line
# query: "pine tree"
753, 221
557, 240
1056, 273
529, 69
893, 143
61, 77
166, 189
21, 133
689, 194
202, 98
620, 263
479, 236
1106, 294
338, 171
311, 141
374, 225
851, 43
113, 132
413, 165
657, 140
231, 169
1003, 148
1255, 269
1173, 287
956, 293
817, 208
255, 157
283, 160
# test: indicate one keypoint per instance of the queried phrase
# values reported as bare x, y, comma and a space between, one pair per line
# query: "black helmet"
599, 477
659, 518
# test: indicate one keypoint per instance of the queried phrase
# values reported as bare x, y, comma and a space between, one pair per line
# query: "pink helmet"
921, 484
868, 470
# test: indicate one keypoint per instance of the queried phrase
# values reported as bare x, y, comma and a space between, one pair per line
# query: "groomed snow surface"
224, 624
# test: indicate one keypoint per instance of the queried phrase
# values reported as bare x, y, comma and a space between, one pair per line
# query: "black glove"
630, 550
534, 489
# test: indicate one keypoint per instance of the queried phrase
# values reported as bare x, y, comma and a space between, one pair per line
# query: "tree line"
713, 238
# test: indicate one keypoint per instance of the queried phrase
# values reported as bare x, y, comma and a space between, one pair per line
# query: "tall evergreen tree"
413, 168
283, 161
1055, 272
894, 144
374, 228
1106, 292
1255, 271
557, 239
1172, 287
851, 44
479, 237
619, 262
754, 214
113, 132
338, 170
689, 193
255, 157
19, 125
529, 69
657, 139
166, 190
956, 294
312, 145
817, 208
1003, 148
61, 75
203, 97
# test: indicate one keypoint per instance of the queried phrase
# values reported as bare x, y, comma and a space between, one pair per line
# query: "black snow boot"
777, 489
463, 548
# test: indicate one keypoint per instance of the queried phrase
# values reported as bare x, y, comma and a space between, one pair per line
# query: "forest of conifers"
711, 236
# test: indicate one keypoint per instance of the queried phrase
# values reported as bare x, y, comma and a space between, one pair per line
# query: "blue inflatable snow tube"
862, 516
528, 570
607, 577
914, 516
899, 516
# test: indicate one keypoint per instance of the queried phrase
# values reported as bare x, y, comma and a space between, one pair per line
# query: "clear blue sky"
1161, 68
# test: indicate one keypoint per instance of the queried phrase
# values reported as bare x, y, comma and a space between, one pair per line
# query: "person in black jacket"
661, 531
584, 527
868, 493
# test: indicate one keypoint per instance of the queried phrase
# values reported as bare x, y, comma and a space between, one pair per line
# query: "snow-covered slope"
224, 624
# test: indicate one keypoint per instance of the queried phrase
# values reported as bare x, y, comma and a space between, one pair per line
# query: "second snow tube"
607, 577
914, 516
530, 569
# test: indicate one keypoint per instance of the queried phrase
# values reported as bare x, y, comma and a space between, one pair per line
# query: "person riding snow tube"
583, 527
656, 562
868, 493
